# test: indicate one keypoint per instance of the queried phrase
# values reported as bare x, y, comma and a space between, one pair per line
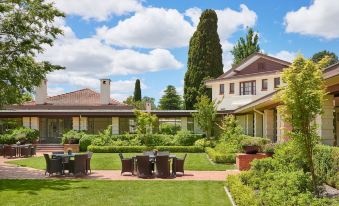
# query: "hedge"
132, 149
243, 195
219, 157
86, 141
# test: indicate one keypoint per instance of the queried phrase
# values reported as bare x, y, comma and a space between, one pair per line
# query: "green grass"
111, 161
101, 192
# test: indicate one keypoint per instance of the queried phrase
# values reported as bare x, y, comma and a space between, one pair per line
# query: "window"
98, 124
190, 124
247, 88
127, 125
276, 82
231, 88
221, 89
264, 85
261, 66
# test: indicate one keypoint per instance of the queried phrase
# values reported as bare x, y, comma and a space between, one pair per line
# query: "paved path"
9, 171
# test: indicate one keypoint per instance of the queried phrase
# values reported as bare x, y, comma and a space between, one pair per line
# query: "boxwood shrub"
132, 149
219, 157
242, 194
86, 141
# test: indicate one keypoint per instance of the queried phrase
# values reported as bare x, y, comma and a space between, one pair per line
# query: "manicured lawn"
111, 161
101, 192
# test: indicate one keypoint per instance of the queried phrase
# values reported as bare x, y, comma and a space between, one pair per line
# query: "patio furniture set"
151, 164
16, 150
74, 163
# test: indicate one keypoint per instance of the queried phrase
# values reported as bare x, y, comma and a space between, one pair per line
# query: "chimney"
148, 106
105, 91
41, 92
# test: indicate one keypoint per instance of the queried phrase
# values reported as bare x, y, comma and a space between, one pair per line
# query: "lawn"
101, 192
111, 161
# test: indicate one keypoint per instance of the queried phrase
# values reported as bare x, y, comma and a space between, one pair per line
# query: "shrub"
85, 141
156, 139
131, 149
7, 139
72, 137
25, 134
167, 128
243, 195
204, 143
269, 148
186, 138
188, 149
219, 157
254, 141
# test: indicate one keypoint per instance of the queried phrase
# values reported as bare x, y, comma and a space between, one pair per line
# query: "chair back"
47, 159
80, 163
163, 166
163, 153
185, 156
89, 155
143, 166
121, 156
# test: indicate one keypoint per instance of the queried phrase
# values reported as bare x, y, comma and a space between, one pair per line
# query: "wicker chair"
163, 166
179, 164
52, 165
127, 164
26, 151
9, 151
33, 150
88, 162
78, 165
144, 166
57, 152
1, 149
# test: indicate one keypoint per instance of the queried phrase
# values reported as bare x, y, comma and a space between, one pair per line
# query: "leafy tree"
26, 26
303, 96
230, 128
317, 57
245, 47
137, 91
140, 104
204, 58
145, 122
206, 114
171, 100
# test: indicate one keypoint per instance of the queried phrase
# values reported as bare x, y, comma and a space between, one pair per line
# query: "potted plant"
269, 149
250, 145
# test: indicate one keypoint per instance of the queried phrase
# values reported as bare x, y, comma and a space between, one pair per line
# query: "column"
325, 121
76, 123
79, 123
115, 125
242, 122
268, 125
258, 123
249, 124
184, 123
282, 128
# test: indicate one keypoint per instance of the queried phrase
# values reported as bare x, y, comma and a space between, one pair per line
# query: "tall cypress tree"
204, 58
137, 91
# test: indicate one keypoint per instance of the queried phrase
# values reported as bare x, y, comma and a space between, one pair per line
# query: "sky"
148, 39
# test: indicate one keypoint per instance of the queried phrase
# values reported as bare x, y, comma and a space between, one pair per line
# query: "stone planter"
73, 147
251, 149
243, 161
269, 154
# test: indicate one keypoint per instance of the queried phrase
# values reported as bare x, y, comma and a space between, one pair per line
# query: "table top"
65, 155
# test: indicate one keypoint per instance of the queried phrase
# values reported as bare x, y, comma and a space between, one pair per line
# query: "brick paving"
9, 171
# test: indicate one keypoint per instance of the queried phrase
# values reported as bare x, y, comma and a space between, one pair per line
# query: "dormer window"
261, 66
247, 88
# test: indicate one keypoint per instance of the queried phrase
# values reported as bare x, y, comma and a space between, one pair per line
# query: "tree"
140, 104
317, 57
303, 96
245, 47
137, 91
26, 26
230, 128
204, 58
171, 100
206, 114
145, 122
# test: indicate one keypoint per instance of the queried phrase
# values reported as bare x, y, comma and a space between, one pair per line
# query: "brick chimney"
105, 91
41, 92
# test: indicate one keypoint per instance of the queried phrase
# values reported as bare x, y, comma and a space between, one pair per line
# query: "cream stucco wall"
232, 101
325, 121
82, 121
115, 125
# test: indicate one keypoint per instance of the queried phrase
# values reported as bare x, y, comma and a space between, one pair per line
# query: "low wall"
243, 161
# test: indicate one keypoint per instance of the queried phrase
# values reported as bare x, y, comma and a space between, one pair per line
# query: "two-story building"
247, 90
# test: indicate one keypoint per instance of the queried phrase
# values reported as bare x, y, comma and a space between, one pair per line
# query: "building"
247, 90
85, 110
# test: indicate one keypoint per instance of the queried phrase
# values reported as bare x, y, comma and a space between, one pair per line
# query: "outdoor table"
62, 157
18, 148
152, 158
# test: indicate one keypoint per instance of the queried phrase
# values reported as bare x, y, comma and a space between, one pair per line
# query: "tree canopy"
137, 91
317, 57
245, 46
140, 104
171, 100
26, 26
204, 58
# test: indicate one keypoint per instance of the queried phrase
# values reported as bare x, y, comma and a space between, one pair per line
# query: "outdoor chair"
9, 151
33, 150
52, 165
163, 166
88, 162
127, 164
1, 149
78, 165
57, 152
179, 164
25, 151
144, 169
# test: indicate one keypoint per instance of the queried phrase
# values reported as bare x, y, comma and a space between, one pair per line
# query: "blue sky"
128, 39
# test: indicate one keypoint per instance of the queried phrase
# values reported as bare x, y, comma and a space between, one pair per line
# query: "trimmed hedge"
219, 157
86, 141
243, 195
132, 149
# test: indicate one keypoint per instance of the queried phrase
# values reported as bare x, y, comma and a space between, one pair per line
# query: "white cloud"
150, 28
168, 28
285, 55
53, 91
319, 19
99, 10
